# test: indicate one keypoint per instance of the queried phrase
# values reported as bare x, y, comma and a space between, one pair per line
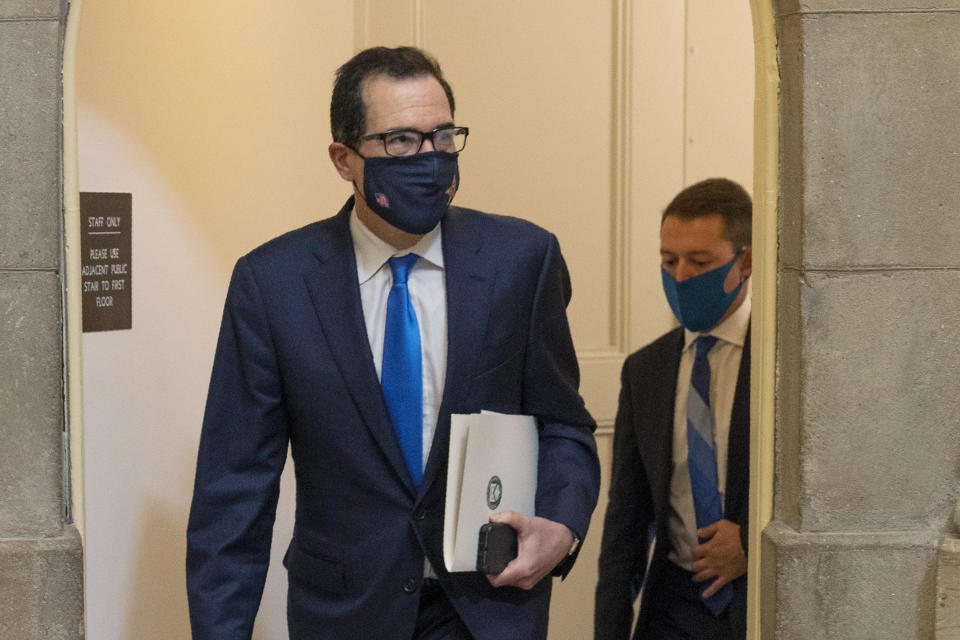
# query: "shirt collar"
372, 252
733, 329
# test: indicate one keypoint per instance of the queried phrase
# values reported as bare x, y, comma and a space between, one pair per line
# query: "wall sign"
105, 244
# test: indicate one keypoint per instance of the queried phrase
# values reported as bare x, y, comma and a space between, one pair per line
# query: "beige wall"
214, 115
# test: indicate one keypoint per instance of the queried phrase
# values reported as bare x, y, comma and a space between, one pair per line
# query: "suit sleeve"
243, 447
569, 470
626, 531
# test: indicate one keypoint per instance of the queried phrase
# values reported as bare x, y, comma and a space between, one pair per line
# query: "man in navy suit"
691, 382
306, 339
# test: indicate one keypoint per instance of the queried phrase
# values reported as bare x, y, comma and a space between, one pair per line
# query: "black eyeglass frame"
424, 135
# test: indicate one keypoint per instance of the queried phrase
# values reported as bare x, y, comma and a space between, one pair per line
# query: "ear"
340, 156
746, 263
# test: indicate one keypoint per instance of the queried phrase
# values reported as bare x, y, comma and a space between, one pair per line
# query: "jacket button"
421, 514
410, 585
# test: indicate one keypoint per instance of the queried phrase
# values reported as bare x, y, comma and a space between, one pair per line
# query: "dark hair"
712, 196
348, 113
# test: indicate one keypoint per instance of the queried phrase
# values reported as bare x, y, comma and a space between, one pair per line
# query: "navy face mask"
410, 192
700, 302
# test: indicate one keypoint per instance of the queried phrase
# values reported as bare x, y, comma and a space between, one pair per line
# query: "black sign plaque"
105, 245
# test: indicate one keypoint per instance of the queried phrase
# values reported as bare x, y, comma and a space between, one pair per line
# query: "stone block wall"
868, 353
868, 434
41, 589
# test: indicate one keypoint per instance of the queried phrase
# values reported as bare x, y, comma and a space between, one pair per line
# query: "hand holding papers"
492, 466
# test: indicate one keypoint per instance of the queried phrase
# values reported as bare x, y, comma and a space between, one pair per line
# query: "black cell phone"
496, 547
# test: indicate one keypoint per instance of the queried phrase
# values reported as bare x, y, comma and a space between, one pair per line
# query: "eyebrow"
439, 126
703, 253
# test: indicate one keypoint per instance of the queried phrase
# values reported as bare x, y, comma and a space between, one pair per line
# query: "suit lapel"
335, 294
468, 282
666, 393
738, 446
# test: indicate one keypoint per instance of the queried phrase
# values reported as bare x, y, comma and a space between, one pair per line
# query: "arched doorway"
155, 515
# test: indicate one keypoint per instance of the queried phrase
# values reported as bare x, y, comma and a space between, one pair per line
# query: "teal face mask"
699, 302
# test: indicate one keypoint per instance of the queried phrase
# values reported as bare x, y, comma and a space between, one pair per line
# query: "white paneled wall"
585, 117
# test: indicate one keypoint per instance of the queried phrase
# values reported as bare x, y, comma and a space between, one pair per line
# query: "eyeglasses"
406, 142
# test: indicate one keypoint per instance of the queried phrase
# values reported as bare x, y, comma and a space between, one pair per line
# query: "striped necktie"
702, 459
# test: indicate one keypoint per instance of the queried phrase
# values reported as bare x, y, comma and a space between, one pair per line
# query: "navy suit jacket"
640, 486
293, 366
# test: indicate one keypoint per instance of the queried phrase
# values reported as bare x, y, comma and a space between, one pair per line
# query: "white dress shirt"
428, 293
724, 361
427, 287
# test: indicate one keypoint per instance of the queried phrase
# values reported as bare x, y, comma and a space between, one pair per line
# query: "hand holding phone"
496, 547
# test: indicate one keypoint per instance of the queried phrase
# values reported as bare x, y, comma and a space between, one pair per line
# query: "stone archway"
867, 295
41, 560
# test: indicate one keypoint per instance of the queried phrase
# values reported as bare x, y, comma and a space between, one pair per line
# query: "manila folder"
492, 466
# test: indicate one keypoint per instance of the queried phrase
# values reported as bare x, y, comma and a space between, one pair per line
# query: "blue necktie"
401, 376
702, 460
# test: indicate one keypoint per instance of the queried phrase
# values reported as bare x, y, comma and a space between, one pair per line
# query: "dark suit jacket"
640, 485
293, 365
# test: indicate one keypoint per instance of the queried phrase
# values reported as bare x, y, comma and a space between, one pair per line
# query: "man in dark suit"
681, 443
353, 340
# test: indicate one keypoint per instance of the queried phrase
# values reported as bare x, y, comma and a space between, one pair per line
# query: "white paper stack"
492, 466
